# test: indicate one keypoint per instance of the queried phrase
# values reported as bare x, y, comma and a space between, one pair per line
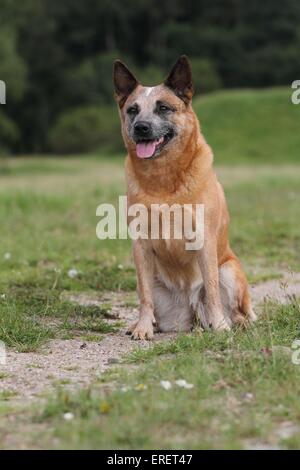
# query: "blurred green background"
56, 59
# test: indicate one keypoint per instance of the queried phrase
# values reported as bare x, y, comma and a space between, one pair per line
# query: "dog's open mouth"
152, 148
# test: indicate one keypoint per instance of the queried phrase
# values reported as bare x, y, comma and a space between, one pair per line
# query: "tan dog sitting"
170, 162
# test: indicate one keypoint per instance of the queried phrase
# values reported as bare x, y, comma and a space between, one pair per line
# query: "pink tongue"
145, 149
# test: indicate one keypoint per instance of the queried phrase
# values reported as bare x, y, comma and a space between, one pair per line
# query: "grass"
245, 384
278, 326
244, 387
31, 314
251, 126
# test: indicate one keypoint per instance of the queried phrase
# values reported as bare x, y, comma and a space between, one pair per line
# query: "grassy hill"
244, 126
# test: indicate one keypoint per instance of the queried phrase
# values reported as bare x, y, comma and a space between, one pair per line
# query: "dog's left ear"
180, 79
124, 82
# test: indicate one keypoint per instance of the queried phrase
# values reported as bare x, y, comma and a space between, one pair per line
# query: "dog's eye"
163, 108
132, 110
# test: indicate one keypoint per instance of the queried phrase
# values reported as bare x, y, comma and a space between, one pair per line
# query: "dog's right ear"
124, 82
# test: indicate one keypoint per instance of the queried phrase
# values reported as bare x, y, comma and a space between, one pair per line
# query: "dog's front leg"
212, 301
143, 258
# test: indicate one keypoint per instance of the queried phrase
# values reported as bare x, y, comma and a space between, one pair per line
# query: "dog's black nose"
142, 128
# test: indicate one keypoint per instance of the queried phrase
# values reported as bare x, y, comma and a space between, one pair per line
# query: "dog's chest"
176, 267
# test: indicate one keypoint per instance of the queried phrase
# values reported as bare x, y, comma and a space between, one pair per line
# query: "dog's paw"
244, 319
142, 330
131, 329
222, 326
219, 324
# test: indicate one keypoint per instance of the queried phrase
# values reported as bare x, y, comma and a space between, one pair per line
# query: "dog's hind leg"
234, 291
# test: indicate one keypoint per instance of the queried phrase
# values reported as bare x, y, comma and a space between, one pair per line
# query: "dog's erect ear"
180, 79
124, 82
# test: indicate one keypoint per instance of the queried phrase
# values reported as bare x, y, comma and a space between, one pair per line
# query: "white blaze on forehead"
148, 90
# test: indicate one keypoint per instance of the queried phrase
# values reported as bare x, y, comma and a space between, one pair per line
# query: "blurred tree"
205, 76
13, 68
86, 129
13, 73
56, 56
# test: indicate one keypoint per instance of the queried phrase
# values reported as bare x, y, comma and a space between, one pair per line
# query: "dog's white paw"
223, 326
142, 330
219, 324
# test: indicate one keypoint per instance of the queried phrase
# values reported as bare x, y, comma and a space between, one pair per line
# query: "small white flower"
248, 396
166, 384
2, 296
124, 389
184, 384
72, 273
120, 266
7, 256
68, 416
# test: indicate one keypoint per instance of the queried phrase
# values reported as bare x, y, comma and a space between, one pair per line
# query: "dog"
170, 162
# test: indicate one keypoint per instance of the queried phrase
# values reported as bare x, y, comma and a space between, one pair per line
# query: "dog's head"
155, 120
